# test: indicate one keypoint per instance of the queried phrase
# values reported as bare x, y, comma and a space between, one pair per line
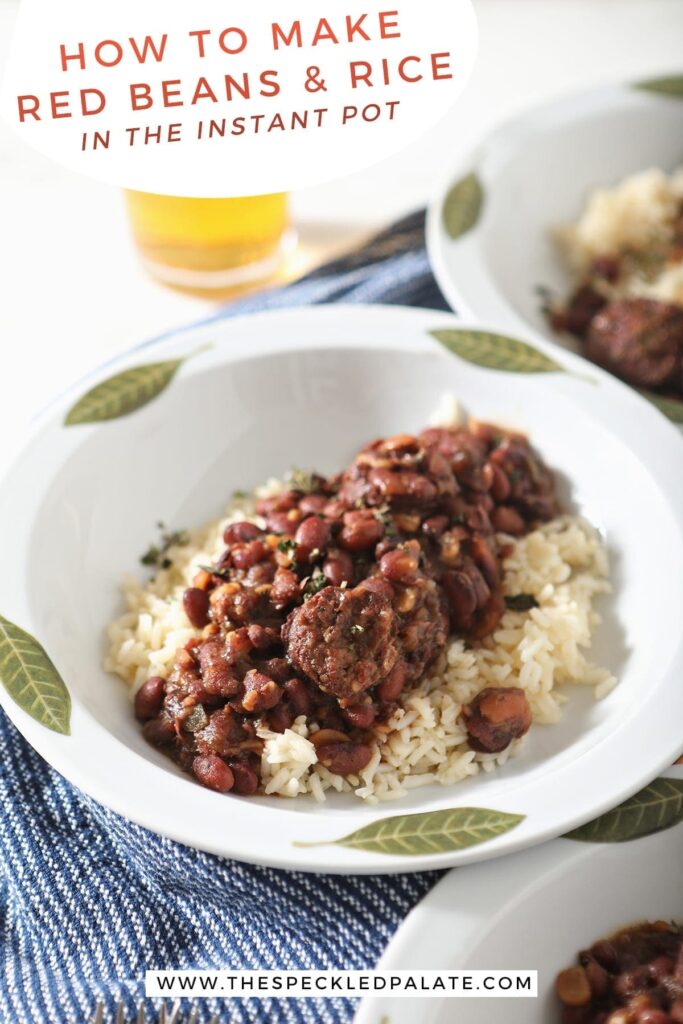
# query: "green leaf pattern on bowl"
31, 680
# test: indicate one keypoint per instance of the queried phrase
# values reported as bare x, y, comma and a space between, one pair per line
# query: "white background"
72, 293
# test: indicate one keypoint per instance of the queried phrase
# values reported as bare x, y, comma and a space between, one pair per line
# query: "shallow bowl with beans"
238, 401
535, 172
533, 912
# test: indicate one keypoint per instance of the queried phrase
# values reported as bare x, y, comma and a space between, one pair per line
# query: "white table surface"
72, 293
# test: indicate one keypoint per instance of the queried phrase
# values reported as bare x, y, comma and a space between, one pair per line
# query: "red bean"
338, 568
246, 779
406, 486
485, 559
159, 731
244, 556
311, 504
285, 589
286, 501
149, 698
344, 758
237, 644
360, 715
651, 1015
217, 672
377, 585
660, 968
213, 773
486, 477
572, 987
276, 668
462, 597
334, 509
678, 969
608, 267
500, 488
241, 533
606, 955
196, 605
488, 616
676, 1012
224, 560
262, 637
580, 1015
298, 695
508, 520
223, 733
280, 718
312, 535
629, 983
261, 693
434, 526
477, 519
496, 717
361, 530
400, 566
284, 522
403, 444
263, 572
598, 978
386, 544
390, 688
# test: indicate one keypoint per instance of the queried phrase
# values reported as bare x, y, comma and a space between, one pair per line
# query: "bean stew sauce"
636, 977
343, 597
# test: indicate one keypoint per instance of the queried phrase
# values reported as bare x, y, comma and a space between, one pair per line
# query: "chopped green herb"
383, 514
547, 299
314, 584
521, 602
196, 720
287, 547
157, 554
302, 480
151, 556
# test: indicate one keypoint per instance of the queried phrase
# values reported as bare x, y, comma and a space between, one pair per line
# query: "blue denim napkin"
89, 901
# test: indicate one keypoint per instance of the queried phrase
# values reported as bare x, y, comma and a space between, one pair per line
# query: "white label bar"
350, 984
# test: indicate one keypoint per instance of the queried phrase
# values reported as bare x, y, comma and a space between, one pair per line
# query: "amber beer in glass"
212, 247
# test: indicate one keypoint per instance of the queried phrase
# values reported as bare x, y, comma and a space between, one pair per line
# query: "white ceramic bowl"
309, 387
535, 913
536, 172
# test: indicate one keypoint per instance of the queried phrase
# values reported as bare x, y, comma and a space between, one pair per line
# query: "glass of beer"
211, 247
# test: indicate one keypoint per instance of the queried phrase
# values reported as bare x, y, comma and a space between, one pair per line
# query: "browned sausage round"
343, 640
640, 340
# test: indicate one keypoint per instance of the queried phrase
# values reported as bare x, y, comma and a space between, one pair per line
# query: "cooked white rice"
563, 564
634, 215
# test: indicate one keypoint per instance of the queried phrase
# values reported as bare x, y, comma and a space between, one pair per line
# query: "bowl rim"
93, 780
